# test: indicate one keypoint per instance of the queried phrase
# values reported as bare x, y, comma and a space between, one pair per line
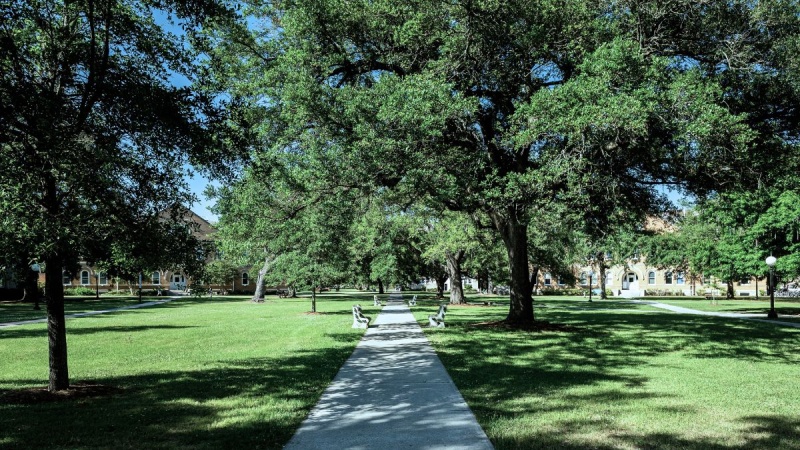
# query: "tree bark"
32, 287
602, 279
258, 295
515, 238
534, 280
483, 280
380, 286
454, 272
313, 299
56, 325
440, 280
729, 290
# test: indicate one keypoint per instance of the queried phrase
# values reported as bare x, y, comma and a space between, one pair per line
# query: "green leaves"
524, 107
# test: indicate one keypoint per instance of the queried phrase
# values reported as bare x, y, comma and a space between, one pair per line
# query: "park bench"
413, 301
283, 293
359, 320
712, 293
375, 301
438, 319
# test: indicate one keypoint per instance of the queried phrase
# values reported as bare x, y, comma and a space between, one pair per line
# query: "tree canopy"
508, 107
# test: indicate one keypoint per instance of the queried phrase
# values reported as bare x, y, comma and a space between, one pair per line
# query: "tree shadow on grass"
28, 332
507, 373
253, 403
764, 432
697, 336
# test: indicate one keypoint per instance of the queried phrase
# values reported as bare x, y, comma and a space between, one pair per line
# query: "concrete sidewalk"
393, 392
755, 317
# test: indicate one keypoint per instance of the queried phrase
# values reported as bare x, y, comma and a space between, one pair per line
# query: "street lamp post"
771, 260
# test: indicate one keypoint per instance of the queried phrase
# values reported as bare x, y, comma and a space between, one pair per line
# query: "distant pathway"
392, 393
90, 313
756, 317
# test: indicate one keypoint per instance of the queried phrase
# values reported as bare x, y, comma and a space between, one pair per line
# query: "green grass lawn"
624, 380
193, 373
19, 311
788, 307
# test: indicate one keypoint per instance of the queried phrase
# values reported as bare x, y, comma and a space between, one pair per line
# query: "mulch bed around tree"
42, 395
537, 326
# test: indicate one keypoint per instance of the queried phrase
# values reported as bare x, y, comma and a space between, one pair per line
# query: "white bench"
359, 320
413, 301
438, 319
375, 301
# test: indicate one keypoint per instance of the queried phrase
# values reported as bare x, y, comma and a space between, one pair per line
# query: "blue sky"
197, 184
196, 181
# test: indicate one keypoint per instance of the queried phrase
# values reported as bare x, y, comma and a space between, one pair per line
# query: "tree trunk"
380, 286
756, 287
440, 280
483, 280
454, 272
515, 237
56, 324
602, 280
729, 290
534, 279
32, 287
313, 299
258, 295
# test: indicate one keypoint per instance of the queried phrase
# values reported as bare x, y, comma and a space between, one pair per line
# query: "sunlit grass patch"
193, 373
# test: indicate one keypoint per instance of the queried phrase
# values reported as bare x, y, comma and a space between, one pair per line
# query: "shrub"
566, 291
120, 292
80, 290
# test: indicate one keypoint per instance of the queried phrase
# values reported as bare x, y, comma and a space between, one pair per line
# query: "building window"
65, 278
155, 278
85, 277
103, 278
559, 281
584, 279
245, 279
651, 277
706, 279
668, 278
744, 281
679, 278
609, 279
548, 280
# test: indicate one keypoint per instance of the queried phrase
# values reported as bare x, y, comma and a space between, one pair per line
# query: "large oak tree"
508, 107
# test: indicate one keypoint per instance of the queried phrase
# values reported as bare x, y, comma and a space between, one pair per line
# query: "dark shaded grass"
625, 379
